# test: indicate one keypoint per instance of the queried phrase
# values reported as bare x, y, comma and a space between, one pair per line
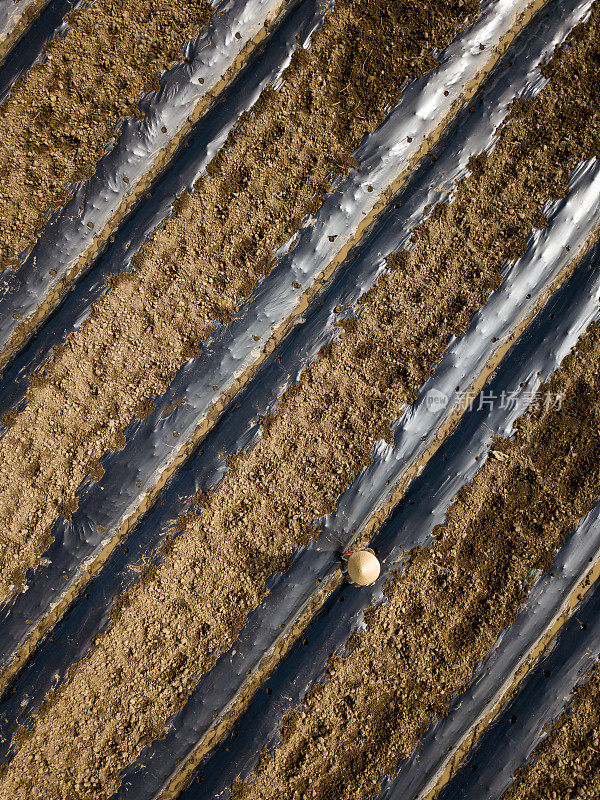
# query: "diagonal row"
250, 377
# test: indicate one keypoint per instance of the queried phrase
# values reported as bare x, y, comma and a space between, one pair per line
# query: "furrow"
64, 400
67, 555
14, 19
110, 142
475, 129
190, 162
225, 595
505, 745
567, 761
10, 15
547, 608
379, 670
290, 594
239, 425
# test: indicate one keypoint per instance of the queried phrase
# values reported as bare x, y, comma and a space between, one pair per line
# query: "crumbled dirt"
445, 610
61, 114
566, 765
166, 628
208, 256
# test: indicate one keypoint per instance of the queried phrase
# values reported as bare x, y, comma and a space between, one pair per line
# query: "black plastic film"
79, 540
506, 744
533, 358
71, 230
238, 427
150, 445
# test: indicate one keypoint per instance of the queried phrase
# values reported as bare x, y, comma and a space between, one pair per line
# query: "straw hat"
363, 567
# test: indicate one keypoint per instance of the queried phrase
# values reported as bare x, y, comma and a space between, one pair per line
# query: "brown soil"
566, 766
166, 628
445, 610
208, 257
62, 114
